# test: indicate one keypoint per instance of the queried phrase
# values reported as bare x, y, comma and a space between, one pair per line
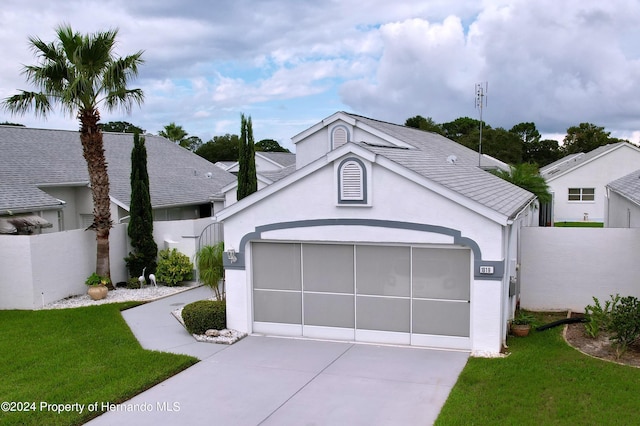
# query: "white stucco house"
623, 202
383, 233
266, 161
270, 167
578, 182
44, 180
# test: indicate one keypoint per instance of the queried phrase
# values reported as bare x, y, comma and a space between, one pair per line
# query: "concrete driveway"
278, 381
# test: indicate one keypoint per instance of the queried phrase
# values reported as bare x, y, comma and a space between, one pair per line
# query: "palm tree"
79, 72
526, 175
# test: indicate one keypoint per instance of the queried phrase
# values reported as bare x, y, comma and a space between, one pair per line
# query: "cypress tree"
140, 229
247, 178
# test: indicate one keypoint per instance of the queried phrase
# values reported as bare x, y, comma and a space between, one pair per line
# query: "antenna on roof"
481, 101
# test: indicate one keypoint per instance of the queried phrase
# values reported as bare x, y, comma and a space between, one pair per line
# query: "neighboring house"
384, 234
44, 178
623, 202
270, 167
577, 182
265, 162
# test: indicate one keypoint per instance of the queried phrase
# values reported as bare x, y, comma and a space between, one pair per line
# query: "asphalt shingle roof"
40, 157
282, 158
430, 160
628, 186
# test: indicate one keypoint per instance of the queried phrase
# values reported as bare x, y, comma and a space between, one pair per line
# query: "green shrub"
625, 323
203, 315
133, 283
599, 318
173, 267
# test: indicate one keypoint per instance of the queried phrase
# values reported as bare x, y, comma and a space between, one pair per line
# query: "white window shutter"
351, 182
339, 137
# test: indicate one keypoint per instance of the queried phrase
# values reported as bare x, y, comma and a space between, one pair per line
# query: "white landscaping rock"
225, 337
144, 294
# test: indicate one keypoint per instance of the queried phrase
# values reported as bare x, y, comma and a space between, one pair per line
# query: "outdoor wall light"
231, 255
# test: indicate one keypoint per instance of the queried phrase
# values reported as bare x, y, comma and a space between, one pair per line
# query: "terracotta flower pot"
520, 330
97, 292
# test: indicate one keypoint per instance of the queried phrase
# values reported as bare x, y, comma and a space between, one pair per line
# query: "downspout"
507, 276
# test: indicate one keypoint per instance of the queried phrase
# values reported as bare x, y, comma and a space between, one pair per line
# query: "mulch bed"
600, 347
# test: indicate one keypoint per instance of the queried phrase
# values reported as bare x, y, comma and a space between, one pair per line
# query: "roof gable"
470, 186
574, 161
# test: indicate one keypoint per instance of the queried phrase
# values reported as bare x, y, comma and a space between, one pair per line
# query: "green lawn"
83, 355
543, 382
579, 224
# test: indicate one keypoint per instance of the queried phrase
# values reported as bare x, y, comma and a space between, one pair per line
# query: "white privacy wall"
40, 269
563, 268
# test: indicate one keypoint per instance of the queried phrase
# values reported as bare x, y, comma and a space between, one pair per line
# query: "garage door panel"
279, 266
330, 310
441, 273
383, 271
277, 306
382, 313
386, 294
441, 318
328, 268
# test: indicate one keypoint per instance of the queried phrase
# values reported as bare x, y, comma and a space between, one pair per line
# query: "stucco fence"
39, 269
563, 268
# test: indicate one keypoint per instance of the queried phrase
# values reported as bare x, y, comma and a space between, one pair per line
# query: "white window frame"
359, 196
581, 193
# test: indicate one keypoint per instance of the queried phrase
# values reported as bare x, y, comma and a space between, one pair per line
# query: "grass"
579, 224
543, 382
82, 355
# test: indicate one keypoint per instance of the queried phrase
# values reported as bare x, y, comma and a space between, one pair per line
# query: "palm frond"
78, 72
25, 101
526, 176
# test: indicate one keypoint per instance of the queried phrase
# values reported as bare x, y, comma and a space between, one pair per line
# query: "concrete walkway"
278, 381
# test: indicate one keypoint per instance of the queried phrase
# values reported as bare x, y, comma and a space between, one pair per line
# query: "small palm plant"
210, 268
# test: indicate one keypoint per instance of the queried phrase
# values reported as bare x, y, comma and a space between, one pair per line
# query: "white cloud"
554, 63
290, 63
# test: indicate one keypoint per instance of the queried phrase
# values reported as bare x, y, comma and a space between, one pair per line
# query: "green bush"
625, 323
133, 283
203, 315
173, 267
599, 318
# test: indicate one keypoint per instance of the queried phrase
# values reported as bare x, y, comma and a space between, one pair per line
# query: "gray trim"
458, 239
364, 181
333, 131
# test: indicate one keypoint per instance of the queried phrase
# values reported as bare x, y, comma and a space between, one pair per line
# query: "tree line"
219, 148
520, 144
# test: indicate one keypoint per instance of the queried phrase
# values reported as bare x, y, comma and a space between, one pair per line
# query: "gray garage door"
386, 294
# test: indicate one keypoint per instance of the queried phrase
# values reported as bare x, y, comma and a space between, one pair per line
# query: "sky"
291, 63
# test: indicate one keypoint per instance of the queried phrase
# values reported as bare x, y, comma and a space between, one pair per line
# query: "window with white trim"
582, 194
339, 137
352, 182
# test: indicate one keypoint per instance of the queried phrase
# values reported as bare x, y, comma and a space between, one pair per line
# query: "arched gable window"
352, 182
339, 137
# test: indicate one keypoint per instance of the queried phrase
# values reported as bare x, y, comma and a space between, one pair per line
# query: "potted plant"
97, 286
521, 323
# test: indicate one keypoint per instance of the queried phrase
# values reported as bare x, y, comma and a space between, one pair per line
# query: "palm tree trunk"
93, 151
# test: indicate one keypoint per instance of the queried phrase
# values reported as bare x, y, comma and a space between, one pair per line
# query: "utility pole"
481, 101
